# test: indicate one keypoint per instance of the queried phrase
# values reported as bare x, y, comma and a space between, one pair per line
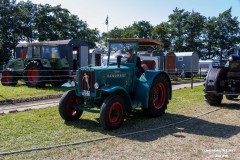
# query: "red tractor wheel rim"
116, 113
6, 76
159, 95
32, 75
72, 100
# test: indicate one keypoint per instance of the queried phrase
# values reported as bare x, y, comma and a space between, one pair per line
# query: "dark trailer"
74, 50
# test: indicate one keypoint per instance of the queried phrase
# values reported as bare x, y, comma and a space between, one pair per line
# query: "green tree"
9, 28
129, 32
26, 15
115, 33
93, 36
161, 32
143, 29
210, 35
178, 21
193, 28
52, 22
228, 30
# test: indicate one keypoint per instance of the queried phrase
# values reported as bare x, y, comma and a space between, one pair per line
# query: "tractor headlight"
96, 85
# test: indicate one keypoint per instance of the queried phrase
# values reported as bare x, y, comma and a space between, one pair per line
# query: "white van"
204, 66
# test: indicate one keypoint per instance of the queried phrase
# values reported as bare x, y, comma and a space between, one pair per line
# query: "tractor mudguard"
144, 85
120, 92
15, 65
214, 76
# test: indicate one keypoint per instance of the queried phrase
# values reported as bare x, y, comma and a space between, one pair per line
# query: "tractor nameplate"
85, 93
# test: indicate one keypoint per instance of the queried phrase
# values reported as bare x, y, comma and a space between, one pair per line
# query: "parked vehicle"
115, 89
205, 66
223, 81
40, 63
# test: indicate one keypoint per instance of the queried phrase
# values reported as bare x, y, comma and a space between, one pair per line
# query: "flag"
106, 21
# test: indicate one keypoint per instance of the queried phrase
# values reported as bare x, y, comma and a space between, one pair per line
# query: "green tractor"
40, 63
117, 88
224, 80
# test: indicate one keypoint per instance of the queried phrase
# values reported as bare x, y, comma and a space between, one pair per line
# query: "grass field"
22, 91
44, 127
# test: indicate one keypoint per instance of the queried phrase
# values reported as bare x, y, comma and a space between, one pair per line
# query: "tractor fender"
214, 76
144, 85
120, 92
16, 65
44, 62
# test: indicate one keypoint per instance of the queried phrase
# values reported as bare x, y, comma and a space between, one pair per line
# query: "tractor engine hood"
92, 79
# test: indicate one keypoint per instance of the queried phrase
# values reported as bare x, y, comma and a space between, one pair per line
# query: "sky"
123, 13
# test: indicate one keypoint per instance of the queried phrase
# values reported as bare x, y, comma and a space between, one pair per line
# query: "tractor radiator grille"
87, 81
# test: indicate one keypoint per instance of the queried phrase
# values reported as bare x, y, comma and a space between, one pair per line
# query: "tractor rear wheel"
35, 75
158, 97
66, 106
112, 112
212, 88
9, 78
213, 99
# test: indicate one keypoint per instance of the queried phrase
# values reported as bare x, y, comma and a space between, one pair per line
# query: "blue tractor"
119, 87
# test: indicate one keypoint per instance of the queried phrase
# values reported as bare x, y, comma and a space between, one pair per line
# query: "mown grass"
22, 91
44, 127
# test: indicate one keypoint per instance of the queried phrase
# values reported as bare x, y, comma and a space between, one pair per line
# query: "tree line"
188, 31
184, 31
26, 21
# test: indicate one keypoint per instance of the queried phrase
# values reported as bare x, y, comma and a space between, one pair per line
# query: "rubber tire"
9, 78
69, 98
112, 104
32, 69
213, 99
231, 97
159, 88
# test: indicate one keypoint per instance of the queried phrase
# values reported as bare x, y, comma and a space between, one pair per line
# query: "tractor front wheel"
158, 97
9, 78
112, 112
66, 106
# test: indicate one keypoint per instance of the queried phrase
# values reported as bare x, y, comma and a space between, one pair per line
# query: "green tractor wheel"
158, 97
112, 112
9, 78
66, 110
35, 75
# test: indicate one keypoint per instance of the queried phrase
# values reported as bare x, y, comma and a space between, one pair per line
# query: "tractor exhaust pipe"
119, 60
